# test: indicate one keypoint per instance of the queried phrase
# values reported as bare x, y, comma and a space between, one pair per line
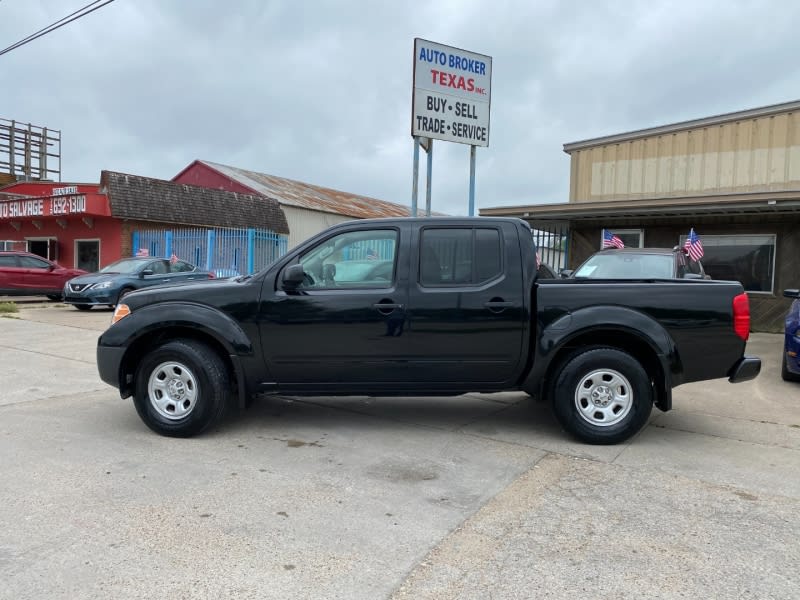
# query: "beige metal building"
734, 178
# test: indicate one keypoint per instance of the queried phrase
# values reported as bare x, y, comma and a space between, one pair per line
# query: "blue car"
109, 284
790, 367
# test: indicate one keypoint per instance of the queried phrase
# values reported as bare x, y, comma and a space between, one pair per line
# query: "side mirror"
565, 273
145, 273
791, 293
293, 276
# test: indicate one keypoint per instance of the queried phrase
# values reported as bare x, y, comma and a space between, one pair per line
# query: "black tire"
786, 374
55, 297
122, 293
602, 396
83, 306
195, 381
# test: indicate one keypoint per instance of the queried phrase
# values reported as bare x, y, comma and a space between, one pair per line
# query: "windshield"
627, 266
125, 266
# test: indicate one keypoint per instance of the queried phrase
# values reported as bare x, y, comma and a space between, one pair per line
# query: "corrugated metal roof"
314, 197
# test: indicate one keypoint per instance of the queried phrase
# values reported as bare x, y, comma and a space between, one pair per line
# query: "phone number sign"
452, 94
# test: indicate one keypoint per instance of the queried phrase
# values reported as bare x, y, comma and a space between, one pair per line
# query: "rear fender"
618, 327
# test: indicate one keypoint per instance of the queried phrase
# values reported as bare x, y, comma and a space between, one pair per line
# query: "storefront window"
632, 238
749, 259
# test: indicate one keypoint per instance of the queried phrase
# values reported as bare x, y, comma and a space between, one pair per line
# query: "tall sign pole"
451, 101
472, 181
415, 184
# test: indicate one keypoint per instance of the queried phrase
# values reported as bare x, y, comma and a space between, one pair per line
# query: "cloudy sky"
321, 91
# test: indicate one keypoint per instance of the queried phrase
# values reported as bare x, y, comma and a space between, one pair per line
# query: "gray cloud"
321, 91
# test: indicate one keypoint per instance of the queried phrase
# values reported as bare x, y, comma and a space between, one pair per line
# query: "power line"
82, 12
33, 36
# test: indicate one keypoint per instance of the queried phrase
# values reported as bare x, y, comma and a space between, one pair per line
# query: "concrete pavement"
468, 497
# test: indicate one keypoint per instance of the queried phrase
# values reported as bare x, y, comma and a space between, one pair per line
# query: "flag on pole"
611, 241
693, 246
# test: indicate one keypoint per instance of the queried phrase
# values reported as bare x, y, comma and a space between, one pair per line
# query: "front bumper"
746, 368
90, 297
109, 361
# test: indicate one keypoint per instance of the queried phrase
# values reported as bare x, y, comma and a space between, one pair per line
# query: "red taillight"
741, 316
212, 276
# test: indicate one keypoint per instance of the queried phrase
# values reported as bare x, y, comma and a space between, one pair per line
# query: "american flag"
694, 246
173, 259
611, 241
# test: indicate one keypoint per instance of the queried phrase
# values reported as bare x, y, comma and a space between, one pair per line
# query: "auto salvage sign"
452, 94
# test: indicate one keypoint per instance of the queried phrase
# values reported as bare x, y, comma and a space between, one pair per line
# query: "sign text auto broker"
452, 93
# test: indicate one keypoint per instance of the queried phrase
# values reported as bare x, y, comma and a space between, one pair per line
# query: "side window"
487, 254
356, 259
158, 267
693, 266
680, 270
8, 261
180, 267
28, 262
459, 256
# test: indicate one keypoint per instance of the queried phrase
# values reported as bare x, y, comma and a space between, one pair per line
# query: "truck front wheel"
602, 396
181, 388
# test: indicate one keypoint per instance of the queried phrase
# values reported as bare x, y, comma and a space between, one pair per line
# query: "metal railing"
228, 252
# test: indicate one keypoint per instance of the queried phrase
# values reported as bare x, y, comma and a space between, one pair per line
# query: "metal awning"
760, 203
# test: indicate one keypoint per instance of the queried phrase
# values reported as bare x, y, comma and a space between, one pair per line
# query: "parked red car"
26, 274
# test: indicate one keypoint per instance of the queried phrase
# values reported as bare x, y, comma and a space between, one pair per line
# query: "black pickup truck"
435, 306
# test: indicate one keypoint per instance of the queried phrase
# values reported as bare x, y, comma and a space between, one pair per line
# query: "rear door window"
459, 256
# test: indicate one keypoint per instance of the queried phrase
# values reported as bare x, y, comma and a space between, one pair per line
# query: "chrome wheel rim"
172, 389
603, 397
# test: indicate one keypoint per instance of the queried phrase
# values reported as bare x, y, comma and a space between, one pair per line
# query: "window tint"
158, 267
693, 266
8, 261
29, 262
356, 259
749, 259
487, 254
455, 256
180, 267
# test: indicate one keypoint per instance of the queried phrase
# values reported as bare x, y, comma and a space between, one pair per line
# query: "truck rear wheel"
602, 396
181, 388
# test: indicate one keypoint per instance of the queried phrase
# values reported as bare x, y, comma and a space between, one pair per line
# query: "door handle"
386, 308
497, 305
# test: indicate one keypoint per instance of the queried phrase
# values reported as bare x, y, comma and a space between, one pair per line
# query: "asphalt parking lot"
479, 496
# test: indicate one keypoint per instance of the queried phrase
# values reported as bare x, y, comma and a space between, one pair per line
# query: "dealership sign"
452, 94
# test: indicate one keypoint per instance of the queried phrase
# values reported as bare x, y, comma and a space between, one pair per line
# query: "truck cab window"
459, 256
356, 259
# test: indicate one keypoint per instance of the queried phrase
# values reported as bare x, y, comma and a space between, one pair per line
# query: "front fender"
117, 346
198, 317
587, 325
